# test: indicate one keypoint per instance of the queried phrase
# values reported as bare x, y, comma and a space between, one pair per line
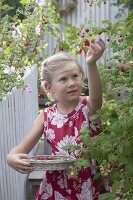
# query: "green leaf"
25, 2
106, 196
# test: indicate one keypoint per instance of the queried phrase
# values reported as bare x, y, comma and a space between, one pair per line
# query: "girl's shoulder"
50, 108
84, 99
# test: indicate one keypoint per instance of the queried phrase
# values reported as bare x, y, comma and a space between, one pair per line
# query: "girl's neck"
68, 107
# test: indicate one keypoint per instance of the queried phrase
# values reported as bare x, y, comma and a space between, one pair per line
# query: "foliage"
125, 4
113, 148
9, 7
22, 41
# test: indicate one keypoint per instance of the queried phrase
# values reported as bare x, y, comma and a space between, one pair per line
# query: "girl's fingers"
101, 44
93, 48
24, 169
93, 51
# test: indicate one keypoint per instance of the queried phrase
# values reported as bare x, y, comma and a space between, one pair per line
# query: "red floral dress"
61, 130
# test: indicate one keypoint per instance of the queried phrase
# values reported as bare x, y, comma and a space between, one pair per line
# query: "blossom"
9, 70
16, 33
1, 49
28, 88
38, 29
41, 2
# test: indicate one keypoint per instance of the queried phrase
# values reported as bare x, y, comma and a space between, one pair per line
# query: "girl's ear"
47, 87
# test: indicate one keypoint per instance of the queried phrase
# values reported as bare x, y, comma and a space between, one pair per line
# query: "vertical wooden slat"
17, 113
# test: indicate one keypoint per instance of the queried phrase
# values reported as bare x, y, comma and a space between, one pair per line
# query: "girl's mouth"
72, 91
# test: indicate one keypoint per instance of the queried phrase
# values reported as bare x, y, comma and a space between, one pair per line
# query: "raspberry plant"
113, 148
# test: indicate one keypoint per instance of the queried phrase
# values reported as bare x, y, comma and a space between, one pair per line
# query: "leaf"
95, 117
106, 196
85, 130
25, 2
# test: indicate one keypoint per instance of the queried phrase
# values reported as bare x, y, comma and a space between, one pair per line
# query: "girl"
62, 78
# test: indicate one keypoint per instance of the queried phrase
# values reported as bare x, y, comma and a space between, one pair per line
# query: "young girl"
62, 78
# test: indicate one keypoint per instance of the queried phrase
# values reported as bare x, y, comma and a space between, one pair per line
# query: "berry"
118, 94
85, 53
80, 49
61, 49
87, 43
26, 44
87, 30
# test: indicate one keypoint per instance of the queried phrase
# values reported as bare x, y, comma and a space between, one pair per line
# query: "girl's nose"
71, 83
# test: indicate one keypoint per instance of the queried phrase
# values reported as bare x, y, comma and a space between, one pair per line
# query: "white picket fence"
17, 113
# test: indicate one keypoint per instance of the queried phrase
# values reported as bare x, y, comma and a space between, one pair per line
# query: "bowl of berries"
51, 162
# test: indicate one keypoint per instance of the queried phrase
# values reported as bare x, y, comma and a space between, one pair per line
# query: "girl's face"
67, 83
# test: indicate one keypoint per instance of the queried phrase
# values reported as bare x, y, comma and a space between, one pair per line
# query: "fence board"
17, 114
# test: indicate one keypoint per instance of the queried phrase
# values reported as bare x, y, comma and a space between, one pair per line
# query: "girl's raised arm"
94, 82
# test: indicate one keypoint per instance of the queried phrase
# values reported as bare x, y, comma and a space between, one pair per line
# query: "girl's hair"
55, 62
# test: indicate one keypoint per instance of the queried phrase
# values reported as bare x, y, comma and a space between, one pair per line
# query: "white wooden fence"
17, 113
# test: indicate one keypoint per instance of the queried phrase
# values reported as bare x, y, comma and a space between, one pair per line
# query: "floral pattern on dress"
50, 134
58, 120
47, 190
86, 192
67, 140
61, 130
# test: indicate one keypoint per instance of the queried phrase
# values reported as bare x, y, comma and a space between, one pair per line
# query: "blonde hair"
55, 62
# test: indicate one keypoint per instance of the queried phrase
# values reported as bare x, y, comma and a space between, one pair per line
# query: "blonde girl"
62, 79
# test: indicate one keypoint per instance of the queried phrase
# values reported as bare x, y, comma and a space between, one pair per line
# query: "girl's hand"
95, 51
18, 162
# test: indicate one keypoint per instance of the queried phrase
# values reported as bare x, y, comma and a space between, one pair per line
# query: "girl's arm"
15, 158
94, 82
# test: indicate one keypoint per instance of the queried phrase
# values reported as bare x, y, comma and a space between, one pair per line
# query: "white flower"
13, 70
9, 70
19, 77
41, 2
38, 29
1, 49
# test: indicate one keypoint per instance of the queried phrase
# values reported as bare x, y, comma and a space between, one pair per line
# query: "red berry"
26, 44
87, 43
80, 50
85, 53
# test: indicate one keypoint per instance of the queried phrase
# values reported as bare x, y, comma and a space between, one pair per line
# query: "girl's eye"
63, 79
75, 75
